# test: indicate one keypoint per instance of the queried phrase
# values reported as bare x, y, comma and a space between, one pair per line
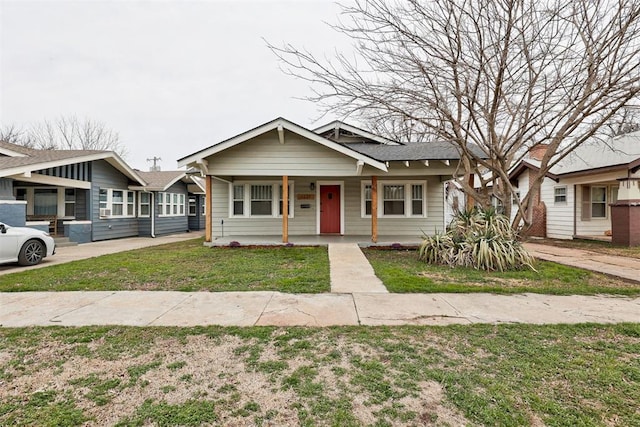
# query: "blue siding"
103, 175
172, 224
197, 222
13, 214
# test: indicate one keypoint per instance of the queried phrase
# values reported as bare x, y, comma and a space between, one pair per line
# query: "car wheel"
31, 253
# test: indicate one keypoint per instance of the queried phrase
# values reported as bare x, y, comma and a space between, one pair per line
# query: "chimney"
538, 151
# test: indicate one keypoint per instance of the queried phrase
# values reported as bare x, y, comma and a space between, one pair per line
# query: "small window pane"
394, 207
144, 197
117, 196
238, 207
416, 199
116, 210
144, 210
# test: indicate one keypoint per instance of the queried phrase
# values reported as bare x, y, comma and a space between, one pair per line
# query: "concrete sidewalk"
617, 266
146, 308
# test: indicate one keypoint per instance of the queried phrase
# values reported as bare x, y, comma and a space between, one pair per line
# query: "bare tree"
624, 121
66, 133
501, 75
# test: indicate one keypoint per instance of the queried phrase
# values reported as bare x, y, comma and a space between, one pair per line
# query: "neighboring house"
281, 178
94, 195
583, 193
170, 202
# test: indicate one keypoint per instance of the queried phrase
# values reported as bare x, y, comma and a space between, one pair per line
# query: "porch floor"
315, 240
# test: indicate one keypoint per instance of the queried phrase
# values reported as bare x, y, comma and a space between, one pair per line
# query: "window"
45, 201
614, 194
238, 200
171, 204
598, 202
21, 194
116, 203
560, 194
144, 208
393, 199
259, 199
367, 199
204, 205
70, 202
192, 206
396, 199
417, 199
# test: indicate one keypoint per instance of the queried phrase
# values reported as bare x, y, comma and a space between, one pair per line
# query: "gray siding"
103, 175
172, 224
198, 221
6, 189
304, 221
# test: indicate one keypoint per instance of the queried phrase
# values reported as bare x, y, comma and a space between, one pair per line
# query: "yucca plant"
477, 238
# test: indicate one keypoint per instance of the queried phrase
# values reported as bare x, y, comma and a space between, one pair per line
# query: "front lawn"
507, 375
185, 266
401, 271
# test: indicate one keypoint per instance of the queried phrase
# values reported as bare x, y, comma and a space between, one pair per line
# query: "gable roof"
618, 153
280, 124
31, 160
160, 180
14, 150
337, 125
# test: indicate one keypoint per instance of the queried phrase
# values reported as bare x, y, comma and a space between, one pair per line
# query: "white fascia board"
37, 178
11, 153
356, 130
273, 125
112, 158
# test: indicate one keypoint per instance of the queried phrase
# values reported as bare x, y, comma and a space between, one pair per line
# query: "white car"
26, 246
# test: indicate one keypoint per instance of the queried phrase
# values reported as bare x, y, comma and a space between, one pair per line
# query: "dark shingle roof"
439, 150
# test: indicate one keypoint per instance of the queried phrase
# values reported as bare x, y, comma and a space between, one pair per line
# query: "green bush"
477, 238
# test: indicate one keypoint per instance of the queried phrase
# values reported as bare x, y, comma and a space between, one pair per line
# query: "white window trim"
140, 204
408, 200
566, 195
109, 203
606, 202
195, 206
180, 204
275, 200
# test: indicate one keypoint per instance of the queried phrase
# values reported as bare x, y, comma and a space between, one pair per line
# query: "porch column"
207, 209
374, 209
625, 214
285, 209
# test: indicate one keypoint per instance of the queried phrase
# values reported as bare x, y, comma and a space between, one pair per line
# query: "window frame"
408, 198
276, 198
147, 204
173, 203
599, 202
108, 203
556, 195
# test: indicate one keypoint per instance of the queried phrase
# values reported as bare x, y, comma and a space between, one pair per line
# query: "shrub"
477, 238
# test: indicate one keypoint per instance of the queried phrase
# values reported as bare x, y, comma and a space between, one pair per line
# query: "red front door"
330, 209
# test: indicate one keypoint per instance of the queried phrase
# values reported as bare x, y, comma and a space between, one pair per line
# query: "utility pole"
155, 167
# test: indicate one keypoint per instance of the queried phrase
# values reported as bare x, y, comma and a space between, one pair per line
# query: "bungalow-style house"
89, 195
592, 193
170, 202
283, 179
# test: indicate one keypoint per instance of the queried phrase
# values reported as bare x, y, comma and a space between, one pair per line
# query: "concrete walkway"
350, 270
617, 266
140, 308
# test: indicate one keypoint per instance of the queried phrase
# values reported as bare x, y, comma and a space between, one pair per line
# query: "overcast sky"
171, 77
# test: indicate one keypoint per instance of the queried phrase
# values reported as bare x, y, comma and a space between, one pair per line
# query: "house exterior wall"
560, 216
13, 212
197, 221
265, 156
305, 215
172, 224
103, 175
